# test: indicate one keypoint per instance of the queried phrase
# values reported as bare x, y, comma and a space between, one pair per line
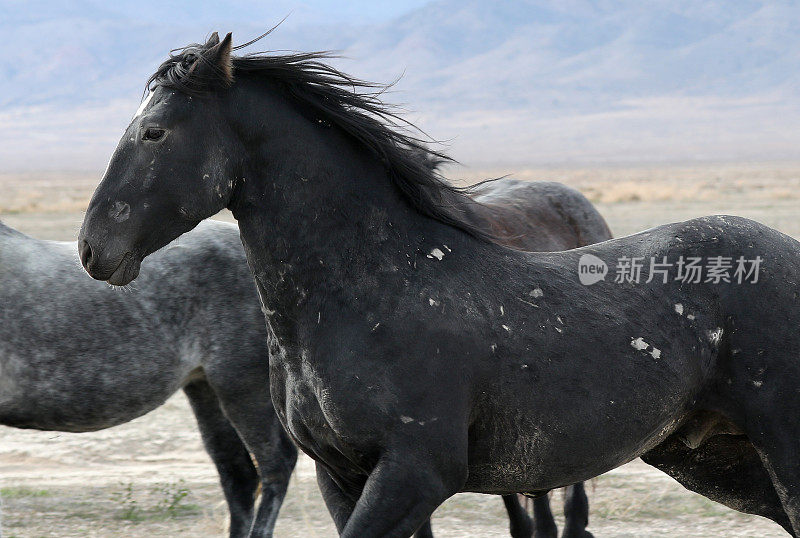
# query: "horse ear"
215, 63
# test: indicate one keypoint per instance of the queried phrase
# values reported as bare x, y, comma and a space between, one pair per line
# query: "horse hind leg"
724, 468
766, 391
778, 445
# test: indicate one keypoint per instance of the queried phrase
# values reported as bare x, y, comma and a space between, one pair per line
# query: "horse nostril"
85, 251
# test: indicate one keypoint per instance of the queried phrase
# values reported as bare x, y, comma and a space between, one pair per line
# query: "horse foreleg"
340, 505
520, 523
401, 493
254, 417
276, 462
576, 512
237, 474
543, 521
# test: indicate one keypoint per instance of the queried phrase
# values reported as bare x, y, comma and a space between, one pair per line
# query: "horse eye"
153, 133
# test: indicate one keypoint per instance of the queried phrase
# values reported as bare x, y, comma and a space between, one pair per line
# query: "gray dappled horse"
194, 322
67, 366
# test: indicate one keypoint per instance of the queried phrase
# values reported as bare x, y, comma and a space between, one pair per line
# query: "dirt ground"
151, 477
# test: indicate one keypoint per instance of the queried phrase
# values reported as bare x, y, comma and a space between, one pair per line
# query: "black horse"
411, 355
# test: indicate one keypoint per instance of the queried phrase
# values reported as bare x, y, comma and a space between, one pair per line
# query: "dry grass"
48, 192
607, 185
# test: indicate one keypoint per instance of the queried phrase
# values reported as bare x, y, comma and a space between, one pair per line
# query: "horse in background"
193, 323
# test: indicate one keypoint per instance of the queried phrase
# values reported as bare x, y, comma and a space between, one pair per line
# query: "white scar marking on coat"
506, 328
494, 348
502, 311
536, 293
679, 309
715, 336
143, 105
433, 302
758, 383
558, 329
528, 303
406, 419
376, 326
436, 253
656, 353
448, 248
639, 344
559, 320
120, 211
319, 317
690, 317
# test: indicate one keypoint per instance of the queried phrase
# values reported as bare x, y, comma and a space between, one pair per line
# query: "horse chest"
322, 419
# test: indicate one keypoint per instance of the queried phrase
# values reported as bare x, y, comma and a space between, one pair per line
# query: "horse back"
540, 215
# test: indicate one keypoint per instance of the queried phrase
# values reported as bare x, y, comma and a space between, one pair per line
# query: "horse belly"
557, 438
75, 399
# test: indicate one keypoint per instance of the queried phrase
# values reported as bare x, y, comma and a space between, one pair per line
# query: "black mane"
349, 103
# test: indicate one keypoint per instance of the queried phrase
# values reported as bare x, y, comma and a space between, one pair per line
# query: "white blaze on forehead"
143, 105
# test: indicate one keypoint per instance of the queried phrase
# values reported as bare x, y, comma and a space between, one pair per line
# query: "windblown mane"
351, 104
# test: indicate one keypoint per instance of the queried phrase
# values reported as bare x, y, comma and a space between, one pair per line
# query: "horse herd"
421, 340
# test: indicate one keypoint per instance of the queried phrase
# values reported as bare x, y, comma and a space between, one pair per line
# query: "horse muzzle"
116, 270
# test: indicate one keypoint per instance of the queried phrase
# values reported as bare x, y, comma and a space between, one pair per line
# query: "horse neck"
319, 216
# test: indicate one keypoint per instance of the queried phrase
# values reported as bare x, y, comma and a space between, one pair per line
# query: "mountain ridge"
518, 82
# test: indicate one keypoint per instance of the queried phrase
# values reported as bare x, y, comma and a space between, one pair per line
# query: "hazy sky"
302, 11
362, 9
